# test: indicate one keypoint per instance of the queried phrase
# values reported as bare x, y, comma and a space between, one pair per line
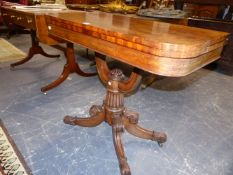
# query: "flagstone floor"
195, 111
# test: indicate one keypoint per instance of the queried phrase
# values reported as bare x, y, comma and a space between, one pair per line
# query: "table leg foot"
58, 81
117, 130
131, 125
96, 117
33, 51
26, 59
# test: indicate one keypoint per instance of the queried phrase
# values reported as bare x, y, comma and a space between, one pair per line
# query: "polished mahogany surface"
149, 36
31, 18
156, 47
33, 10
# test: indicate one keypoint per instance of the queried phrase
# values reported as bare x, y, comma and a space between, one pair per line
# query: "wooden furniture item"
10, 3
26, 19
155, 47
34, 20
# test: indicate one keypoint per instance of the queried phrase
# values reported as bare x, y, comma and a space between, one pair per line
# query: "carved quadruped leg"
131, 125
117, 130
96, 117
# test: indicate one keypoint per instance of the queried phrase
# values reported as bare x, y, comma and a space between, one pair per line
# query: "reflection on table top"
31, 18
155, 36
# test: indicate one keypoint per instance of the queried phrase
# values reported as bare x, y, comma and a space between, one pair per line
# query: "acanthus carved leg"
117, 130
131, 125
96, 117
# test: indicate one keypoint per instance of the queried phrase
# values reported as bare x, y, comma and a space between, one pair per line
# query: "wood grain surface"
31, 19
156, 47
144, 35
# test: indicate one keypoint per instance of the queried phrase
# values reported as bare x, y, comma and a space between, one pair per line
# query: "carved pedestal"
115, 113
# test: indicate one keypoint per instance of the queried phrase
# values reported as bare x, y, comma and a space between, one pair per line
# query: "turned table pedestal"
116, 114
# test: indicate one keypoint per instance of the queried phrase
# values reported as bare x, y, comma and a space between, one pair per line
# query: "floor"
195, 111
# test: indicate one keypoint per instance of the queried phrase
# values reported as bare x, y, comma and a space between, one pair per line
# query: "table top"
33, 9
153, 37
32, 18
156, 47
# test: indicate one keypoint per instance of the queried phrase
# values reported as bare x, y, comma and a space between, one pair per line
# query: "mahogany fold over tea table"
156, 47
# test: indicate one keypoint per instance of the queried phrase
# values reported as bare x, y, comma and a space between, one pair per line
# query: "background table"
34, 20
